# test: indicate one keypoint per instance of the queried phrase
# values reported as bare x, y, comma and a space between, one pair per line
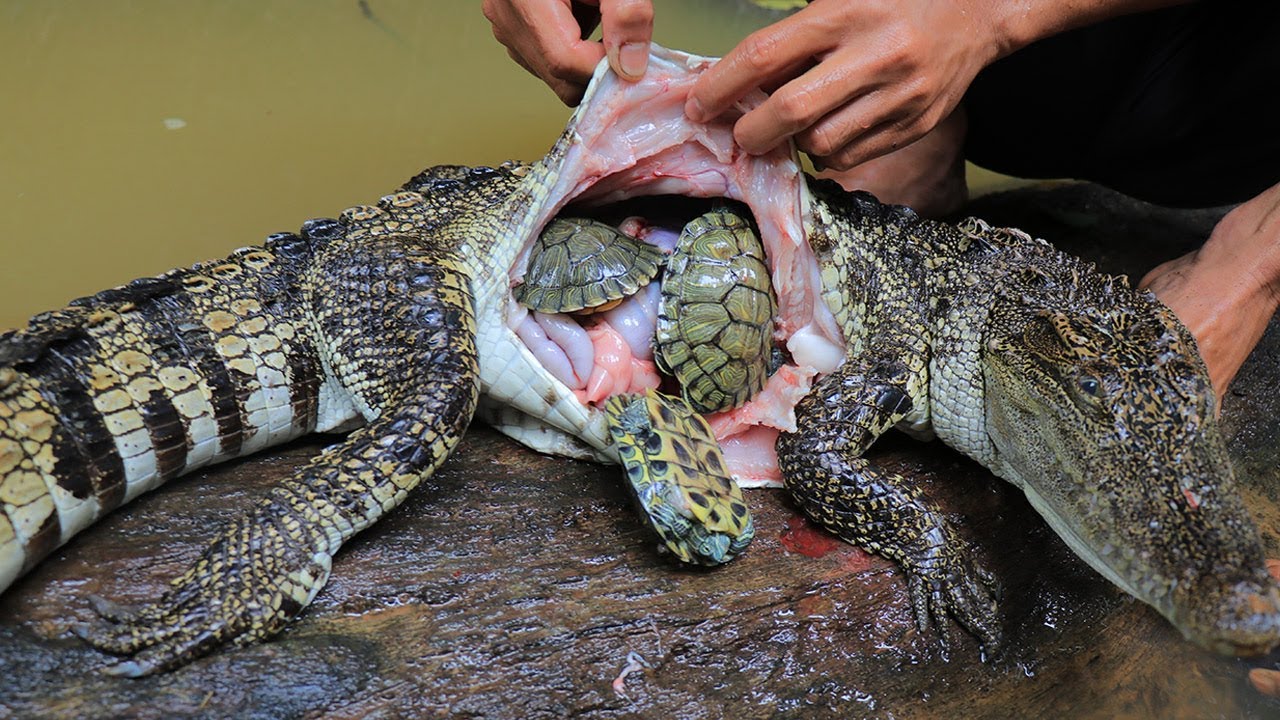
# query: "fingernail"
693, 110
1264, 681
634, 58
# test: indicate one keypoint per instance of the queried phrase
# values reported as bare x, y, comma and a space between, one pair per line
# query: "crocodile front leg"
397, 331
881, 512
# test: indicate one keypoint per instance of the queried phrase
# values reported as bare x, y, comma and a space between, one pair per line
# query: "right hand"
548, 38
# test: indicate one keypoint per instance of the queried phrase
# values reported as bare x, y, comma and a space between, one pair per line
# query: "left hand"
854, 80
549, 38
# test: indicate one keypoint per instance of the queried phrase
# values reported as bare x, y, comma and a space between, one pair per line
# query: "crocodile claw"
960, 590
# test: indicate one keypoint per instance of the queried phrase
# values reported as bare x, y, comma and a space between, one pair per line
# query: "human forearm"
1019, 23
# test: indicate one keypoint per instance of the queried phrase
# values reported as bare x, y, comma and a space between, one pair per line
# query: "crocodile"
395, 321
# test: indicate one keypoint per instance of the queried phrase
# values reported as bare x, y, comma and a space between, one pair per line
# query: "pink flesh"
632, 139
750, 456
616, 369
641, 229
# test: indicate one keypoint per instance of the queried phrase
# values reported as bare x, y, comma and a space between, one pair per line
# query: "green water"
139, 136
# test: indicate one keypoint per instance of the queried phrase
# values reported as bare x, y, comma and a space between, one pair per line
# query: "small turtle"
677, 474
715, 323
585, 266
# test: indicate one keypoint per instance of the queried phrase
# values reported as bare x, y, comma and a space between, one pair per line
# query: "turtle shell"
581, 265
677, 474
715, 322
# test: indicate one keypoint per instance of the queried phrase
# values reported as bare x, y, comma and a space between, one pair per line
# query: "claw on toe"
129, 669
968, 597
110, 610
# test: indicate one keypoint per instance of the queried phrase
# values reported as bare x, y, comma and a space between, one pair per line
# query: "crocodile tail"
120, 391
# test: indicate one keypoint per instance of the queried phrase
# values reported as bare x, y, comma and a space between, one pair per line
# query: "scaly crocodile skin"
360, 319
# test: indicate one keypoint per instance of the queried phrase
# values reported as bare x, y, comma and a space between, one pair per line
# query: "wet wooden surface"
513, 585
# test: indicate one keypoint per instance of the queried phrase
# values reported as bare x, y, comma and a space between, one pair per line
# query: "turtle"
715, 321
585, 266
677, 475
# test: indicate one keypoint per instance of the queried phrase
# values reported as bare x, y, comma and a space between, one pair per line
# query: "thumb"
627, 29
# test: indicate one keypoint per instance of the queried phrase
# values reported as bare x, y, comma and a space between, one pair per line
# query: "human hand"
1267, 680
854, 80
1227, 291
548, 38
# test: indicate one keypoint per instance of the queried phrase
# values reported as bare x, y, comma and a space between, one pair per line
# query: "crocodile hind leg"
881, 512
398, 331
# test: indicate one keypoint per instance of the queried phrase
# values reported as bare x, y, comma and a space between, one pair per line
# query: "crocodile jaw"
627, 140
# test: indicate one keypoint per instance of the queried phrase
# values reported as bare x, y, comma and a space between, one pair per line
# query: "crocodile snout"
1238, 619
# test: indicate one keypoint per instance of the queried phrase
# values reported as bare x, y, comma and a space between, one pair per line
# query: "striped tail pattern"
367, 319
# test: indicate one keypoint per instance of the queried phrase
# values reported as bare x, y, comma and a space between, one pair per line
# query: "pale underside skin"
628, 140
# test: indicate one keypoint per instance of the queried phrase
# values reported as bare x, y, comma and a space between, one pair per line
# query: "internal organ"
612, 352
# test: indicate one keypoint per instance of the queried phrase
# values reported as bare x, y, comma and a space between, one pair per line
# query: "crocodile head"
1101, 410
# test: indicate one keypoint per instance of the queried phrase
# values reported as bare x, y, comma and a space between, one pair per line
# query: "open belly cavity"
631, 159
601, 354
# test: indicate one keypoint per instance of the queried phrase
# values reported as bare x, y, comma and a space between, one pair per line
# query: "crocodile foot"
953, 586
246, 586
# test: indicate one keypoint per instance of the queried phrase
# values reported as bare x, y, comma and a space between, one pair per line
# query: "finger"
1265, 681
876, 141
756, 61
520, 61
627, 29
837, 129
569, 93
798, 105
548, 37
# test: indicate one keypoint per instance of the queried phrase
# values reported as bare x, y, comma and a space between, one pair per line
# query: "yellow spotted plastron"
676, 471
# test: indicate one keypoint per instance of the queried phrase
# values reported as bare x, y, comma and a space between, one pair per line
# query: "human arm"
548, 38
857, 79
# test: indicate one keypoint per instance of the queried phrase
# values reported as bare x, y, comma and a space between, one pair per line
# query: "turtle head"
1105, 417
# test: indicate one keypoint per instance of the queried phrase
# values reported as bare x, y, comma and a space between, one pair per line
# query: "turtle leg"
399, 334
882, 512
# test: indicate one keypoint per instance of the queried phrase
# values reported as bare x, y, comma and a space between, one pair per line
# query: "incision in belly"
635, 162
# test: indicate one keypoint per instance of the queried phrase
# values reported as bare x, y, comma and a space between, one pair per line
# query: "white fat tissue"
663, 237
632, 139
810, 348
